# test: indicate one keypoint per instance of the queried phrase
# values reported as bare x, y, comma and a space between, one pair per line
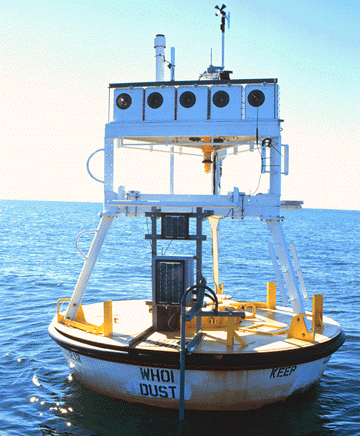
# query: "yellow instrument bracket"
298, 329
270, 303
279, 330
106, 328
231, 334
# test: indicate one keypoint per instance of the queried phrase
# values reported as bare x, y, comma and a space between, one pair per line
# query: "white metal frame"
226, 136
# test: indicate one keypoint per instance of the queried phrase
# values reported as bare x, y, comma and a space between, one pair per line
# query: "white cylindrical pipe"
172, 164
159, 45
275, 167
172, 78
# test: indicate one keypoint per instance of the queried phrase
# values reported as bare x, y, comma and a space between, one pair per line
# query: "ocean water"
39, 264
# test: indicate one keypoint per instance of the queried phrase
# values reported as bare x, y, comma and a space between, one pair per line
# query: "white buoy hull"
268, 369
204, 389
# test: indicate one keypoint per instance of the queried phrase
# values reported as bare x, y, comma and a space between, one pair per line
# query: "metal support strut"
88, 266
286, 266
196, 310
188, 317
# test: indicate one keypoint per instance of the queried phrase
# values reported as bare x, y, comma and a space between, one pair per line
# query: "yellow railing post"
220, 289
317, 311
271, 295
108, 318
230, 331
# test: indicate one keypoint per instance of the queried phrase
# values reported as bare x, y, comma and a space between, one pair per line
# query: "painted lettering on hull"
157, 375
283, 371
150, 390
157, 383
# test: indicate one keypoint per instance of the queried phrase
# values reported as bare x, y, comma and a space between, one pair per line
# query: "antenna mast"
224, 16
217, 72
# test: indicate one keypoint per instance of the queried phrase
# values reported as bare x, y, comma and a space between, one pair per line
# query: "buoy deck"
133, 321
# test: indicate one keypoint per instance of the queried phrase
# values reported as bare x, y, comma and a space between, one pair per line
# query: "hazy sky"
58, 57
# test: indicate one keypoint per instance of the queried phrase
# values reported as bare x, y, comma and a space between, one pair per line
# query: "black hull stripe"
200, 361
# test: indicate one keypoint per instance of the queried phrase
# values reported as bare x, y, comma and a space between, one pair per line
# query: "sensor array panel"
229, 102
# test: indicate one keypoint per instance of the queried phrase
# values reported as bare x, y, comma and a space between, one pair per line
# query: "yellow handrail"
60, 317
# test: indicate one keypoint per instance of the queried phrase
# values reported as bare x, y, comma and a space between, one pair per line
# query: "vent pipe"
159, 45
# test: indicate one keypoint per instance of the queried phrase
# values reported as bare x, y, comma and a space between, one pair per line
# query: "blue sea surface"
39, 264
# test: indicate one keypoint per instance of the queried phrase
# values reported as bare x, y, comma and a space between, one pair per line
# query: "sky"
58, 57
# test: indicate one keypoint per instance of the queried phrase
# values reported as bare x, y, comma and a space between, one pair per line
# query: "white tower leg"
88, 266
286, 266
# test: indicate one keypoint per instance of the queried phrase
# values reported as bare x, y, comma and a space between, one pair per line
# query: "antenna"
224, 16
217, 72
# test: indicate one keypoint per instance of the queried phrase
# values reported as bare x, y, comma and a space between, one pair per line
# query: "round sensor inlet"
123, 101
256, 98
155, 100
187, 99
221, 99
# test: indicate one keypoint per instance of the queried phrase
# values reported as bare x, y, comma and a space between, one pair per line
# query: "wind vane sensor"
218, 71
224, 16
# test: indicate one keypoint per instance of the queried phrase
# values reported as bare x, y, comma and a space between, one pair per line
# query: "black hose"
213, 296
